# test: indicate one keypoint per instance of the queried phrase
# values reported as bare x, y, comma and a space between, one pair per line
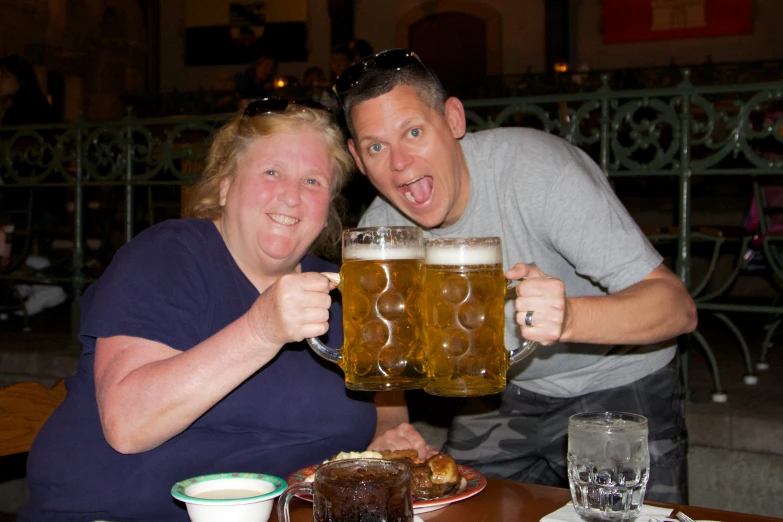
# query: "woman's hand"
294, 307
403, 437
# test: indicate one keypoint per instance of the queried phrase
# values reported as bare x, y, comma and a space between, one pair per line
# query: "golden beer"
380, 282
383, 339
463, 297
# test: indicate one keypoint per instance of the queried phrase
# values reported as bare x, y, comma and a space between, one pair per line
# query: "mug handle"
527, 346
285, 499
328, 353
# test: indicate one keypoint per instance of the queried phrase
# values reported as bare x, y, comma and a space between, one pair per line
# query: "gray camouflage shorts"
523, 436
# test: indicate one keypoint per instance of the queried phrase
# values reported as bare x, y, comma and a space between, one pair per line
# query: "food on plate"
433, 478
436, 477
410, 454
344, 455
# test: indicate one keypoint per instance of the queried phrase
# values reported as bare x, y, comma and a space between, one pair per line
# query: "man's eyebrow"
405, 123
402, 125
365, 139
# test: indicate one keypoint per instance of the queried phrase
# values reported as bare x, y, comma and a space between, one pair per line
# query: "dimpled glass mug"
380, 282
356, 490
463, 299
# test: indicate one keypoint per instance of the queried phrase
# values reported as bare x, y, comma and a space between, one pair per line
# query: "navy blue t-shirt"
176, 283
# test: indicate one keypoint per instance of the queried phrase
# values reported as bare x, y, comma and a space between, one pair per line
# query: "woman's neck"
258, 276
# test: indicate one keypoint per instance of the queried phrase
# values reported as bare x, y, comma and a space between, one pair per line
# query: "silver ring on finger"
529, 318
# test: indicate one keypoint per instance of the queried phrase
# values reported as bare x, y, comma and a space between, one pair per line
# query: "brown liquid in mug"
356, 494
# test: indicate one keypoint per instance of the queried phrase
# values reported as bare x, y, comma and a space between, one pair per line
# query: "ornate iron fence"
676, 133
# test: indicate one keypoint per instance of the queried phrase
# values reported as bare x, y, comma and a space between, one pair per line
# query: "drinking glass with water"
608, 465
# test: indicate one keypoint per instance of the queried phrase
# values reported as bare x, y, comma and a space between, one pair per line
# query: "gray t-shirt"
553, 206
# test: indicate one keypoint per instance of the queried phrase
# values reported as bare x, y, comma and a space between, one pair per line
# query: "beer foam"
375, 252
459, 255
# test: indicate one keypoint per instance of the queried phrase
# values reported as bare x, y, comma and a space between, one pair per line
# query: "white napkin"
567, 513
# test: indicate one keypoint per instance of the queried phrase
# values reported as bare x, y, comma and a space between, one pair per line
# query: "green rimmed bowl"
239, 497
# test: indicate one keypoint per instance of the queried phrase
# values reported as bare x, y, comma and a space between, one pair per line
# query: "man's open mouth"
418, 190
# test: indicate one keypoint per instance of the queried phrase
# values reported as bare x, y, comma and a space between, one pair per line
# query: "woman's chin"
282, 247
282, 251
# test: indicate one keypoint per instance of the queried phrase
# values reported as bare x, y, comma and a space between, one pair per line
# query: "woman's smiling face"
277, 201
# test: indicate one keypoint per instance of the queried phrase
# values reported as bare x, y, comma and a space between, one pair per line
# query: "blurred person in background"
22, 102
314, 77
361, 49
346, 54
257, 81
341, 58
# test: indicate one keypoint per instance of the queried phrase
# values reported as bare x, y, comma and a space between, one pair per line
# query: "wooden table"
503, 501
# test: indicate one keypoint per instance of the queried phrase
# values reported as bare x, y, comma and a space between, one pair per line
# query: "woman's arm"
148, 392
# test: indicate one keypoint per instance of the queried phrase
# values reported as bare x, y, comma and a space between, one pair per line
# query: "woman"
21, 100
193, 360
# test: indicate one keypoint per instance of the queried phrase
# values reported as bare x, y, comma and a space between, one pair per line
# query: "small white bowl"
238, 497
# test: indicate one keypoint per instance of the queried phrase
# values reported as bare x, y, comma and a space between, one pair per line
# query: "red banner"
642, 20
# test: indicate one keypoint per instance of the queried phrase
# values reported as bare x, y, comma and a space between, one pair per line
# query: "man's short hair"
377, 81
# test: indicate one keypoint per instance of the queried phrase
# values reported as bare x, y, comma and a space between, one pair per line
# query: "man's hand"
542, 295
402, 437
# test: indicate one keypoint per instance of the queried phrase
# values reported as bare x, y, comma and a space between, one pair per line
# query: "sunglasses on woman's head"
392, 60
278, 105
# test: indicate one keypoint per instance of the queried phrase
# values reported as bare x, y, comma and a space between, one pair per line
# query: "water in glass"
608, 463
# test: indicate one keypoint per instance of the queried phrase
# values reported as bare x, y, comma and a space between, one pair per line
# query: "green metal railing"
676, 133
130, 153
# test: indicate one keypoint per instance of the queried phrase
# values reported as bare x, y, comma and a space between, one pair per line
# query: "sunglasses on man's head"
278, 105
392, 60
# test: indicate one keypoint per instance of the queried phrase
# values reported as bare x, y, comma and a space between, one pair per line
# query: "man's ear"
225, 184
356, 158
455, 116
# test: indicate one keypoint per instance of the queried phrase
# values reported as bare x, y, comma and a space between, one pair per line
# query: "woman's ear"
225, 184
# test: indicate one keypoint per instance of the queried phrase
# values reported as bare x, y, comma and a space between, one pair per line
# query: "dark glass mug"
356, 490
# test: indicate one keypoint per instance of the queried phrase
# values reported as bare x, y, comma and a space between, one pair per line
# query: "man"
258, 80
592, 287
340, 59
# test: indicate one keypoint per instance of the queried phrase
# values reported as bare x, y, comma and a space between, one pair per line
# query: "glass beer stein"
380, 281
463, 299
356, 490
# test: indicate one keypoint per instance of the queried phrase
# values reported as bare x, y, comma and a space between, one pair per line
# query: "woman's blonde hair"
236, 136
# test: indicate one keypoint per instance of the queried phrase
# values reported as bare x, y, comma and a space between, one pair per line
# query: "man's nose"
399, 158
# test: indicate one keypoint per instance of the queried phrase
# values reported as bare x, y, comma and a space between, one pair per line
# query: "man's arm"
656, 308
393, 432
392, 411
